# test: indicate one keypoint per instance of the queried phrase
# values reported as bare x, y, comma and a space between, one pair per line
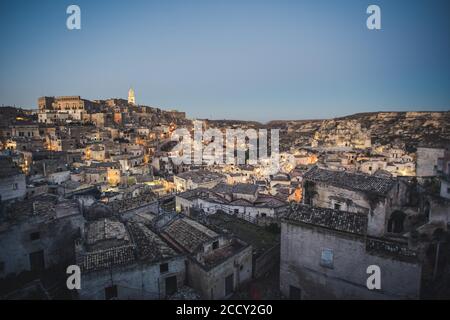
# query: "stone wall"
134, 281
301, 250
211, 283
427, 160
12, 187
56, 240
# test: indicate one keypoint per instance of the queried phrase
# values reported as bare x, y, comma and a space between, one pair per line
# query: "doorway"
229, 280
171, 285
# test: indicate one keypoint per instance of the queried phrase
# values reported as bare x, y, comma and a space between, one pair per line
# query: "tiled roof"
188, 233
223, 188
263, 201
200, 176
242, 188
106, 229
202, 193
329, 218
46, 206
149, 245
245, 188
352, 181
98, 260
127, 204
115, 165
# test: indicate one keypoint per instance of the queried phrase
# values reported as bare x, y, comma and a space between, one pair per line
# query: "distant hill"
410, 128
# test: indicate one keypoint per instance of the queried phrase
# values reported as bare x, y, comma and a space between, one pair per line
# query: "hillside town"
94, 184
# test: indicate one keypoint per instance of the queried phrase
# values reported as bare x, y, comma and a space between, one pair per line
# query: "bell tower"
131, 98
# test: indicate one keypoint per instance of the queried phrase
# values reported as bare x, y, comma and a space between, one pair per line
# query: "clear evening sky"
243, 59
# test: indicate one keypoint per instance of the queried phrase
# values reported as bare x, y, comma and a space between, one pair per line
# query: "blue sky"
231, 59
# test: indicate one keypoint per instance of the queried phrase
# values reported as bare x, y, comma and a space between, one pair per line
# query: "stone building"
129, 261
25, 131
260, 209
325, 254
427, 161
374, 196
217, 264
74, 106
197, 179
12, 180
51, 117
45, 103
444, 172
37, 234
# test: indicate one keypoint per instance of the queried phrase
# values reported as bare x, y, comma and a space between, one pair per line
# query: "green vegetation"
260, 238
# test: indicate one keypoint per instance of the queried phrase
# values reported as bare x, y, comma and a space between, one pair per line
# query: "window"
15, 186
111, 292
164, 267
35, 236
171, 285
295, 293
395, 223
229, 284
215, 245
448, 190
326, 258
337, 206
37, 262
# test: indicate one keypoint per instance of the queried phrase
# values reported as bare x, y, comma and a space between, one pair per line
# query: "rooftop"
217, 256
200, 176
354, 223
189, 234
149, 245
110, 231
111, 243
241, 188
215, 197
128, 203
46, 206
114, 165
8, 167
350, 222
351, 181
97, 260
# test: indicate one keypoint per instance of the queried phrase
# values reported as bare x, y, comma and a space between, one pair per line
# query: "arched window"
396, 221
